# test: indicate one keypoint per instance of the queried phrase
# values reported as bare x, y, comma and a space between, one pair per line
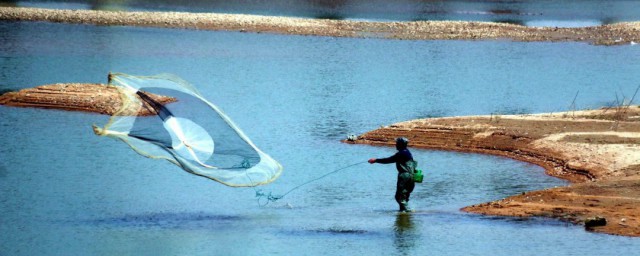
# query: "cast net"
164, 117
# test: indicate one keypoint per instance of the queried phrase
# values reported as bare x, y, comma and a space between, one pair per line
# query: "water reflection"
511, 110
108, 5
432, 113
510, 21
8, 3
405, 234
329, 9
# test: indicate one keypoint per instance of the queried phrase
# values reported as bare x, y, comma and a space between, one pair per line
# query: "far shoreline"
613, 34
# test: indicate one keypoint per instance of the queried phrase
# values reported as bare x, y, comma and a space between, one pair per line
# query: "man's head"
402, 143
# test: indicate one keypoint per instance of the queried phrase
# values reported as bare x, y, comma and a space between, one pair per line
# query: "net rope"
270, 197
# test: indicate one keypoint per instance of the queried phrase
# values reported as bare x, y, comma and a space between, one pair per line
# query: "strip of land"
96, 98
597, 150
613, 34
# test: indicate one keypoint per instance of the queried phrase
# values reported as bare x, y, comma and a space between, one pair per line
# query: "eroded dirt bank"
97, 98
619, 33
596, 150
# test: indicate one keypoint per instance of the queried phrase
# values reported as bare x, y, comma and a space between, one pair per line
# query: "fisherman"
405, 165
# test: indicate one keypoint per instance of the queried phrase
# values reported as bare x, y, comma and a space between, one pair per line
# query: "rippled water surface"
66, 191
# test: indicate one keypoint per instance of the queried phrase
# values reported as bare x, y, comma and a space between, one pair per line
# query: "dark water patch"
512, 12
168, 220
3, 172
512, 110
330, 16
3, 91
331, 231
417, 212
504, 11
337, 230
507, 189
433, 114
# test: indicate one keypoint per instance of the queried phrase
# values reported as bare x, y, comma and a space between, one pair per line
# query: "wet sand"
615, 34
596, 150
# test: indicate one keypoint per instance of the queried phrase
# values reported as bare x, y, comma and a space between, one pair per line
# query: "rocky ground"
620, 33
596, 150
98, 98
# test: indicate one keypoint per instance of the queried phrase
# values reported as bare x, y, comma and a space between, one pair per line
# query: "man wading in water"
405, 165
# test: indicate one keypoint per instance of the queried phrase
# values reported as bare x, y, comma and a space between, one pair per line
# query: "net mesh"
185, 129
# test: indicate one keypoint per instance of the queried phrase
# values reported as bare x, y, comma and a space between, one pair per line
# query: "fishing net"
164, 117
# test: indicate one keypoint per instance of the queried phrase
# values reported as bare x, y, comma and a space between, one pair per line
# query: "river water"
64, 190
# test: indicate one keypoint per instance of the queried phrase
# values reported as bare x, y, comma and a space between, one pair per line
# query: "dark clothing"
400, 158
405, 183
404, 188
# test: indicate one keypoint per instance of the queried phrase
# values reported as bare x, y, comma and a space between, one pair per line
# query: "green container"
417, 176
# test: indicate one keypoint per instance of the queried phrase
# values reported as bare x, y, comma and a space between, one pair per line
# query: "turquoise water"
64, 190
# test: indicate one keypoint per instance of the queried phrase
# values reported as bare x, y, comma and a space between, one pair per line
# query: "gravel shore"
615, 34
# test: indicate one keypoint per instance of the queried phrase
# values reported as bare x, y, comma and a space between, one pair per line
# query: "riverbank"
614, 34
96, 98
596, 150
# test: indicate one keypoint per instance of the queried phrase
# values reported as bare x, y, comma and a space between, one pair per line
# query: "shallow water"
561, 13
64, 190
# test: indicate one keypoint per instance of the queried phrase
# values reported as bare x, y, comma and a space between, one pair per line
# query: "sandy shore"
596, 150
97, 98
620, 33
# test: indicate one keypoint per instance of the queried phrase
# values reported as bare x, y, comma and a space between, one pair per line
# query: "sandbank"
613, 34
596, 150
95, 98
